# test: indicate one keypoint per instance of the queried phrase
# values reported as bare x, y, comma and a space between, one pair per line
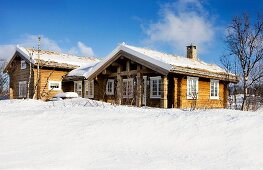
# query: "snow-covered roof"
83, 70
168, 62
55, 58
171, 61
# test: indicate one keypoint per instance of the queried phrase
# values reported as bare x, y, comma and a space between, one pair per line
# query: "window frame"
216, 82
55, 89
20, 88
23, 64
127, 95
111, 91
159, 85
189, 78
87, 88
76, 83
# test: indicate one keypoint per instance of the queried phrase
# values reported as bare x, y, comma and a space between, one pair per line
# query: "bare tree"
230, 65
245, 42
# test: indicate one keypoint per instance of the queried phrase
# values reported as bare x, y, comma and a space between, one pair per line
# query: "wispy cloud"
31, 41
181, 23
6, 51
82, 50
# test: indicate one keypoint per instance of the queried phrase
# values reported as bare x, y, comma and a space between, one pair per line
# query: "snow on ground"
84, 134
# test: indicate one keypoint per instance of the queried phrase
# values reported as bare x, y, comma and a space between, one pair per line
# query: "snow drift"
85, 134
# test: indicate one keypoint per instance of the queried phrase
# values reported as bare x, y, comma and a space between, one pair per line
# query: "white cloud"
180, 24
6, 52
85, 50
31, 41
82, 50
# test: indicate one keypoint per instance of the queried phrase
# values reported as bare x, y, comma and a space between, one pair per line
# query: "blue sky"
96, 27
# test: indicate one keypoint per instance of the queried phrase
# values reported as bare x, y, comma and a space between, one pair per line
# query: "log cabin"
39, 73
142, 77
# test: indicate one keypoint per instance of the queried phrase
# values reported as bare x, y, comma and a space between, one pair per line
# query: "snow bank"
86, 134
67, 95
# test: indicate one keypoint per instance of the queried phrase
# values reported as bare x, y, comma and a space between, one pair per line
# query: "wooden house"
39, 74
142, 77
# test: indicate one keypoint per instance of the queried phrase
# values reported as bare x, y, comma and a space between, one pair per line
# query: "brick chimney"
191, 52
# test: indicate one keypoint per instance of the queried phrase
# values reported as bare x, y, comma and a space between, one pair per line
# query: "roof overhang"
205, 74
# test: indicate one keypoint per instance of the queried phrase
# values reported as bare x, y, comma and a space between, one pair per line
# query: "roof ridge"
154, 50
44, 51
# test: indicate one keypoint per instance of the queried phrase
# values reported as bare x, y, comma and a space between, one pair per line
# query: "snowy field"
83, 134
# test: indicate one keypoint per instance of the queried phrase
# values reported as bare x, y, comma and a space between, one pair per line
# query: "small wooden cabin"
48, 81
142, 77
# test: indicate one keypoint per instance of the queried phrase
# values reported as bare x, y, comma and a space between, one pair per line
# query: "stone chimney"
191, 52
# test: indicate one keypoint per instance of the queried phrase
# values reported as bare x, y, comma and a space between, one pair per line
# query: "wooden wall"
176, 86
16, 75
49, 74
125, 71
203, 100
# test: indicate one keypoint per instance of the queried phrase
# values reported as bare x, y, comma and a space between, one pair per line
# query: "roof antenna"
38, 71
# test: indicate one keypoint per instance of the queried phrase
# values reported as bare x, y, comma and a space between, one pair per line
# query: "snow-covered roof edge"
122, 47
24, 52
51, 58
82, 71
13, 56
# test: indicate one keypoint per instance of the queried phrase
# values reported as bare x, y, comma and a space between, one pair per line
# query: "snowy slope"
84, 134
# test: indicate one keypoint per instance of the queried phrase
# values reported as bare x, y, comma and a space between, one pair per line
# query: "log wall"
16, 74
203, 100
47, 75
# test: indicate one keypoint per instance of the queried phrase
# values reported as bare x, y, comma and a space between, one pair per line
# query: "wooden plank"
146, 64
164, 102
119, 86
204, 74
175, 105
139, 87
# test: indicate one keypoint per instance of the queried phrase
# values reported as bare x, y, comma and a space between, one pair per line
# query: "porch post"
139, 90
139, 87
175, 96
119, 86
11, 93
164, 101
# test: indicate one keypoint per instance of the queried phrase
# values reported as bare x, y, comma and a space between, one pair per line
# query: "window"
214, 89
155, 87
78, 88
192, 87
89, 89
22, 90
128, 88
23, 64
110, 87
54, 85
